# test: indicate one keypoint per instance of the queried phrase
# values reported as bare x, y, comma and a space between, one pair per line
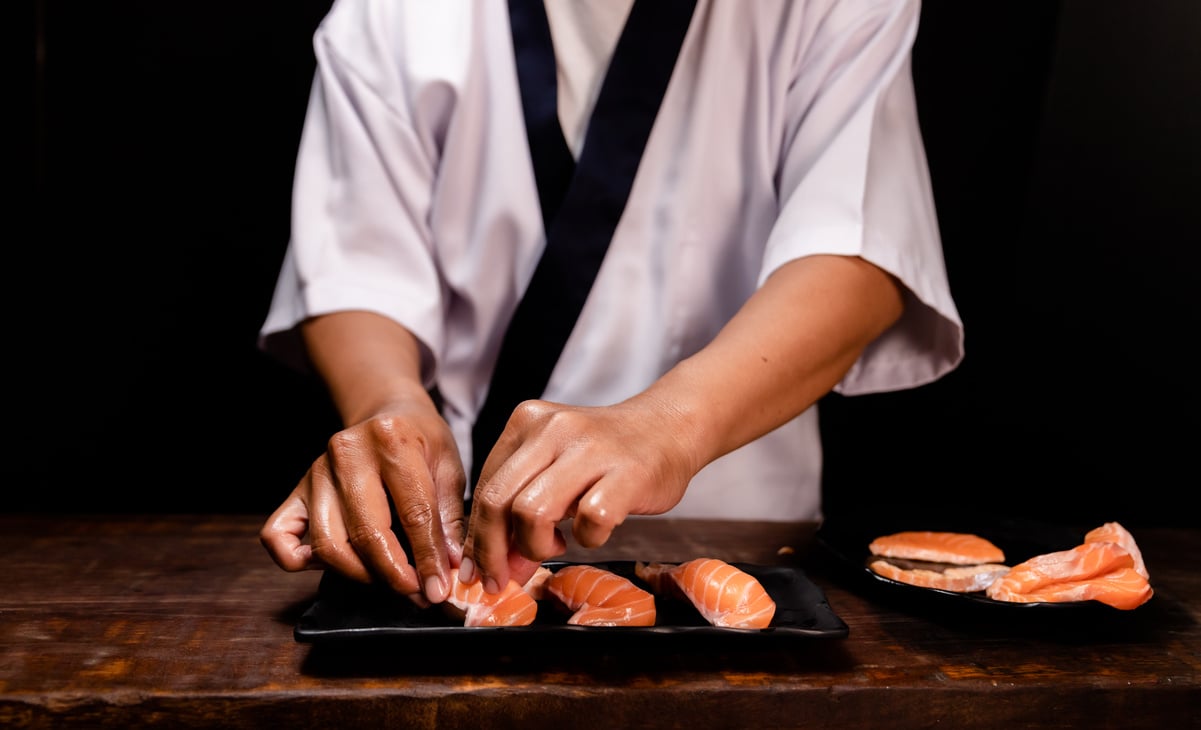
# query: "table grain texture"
183, 621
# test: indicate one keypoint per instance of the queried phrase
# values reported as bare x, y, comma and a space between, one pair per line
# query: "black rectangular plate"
346, 610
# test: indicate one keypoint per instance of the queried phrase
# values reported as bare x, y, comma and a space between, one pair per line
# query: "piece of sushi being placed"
471, 604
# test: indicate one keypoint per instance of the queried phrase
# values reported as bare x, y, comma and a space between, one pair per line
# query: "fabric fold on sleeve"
360, 236
855, 182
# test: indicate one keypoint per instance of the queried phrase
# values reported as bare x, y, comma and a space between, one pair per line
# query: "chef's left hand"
593, 465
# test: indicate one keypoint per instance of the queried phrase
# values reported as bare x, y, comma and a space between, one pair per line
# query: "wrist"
398, 396
680, 406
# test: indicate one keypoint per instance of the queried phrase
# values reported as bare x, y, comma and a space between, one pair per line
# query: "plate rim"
828, 624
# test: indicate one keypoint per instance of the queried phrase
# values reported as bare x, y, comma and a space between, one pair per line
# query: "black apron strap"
583, 202
534, 55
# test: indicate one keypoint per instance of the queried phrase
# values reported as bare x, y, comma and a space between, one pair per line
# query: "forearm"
788, 346
366, 360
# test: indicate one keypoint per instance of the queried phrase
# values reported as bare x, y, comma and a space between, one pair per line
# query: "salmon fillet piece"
724, 595
1114, 532
513, 606
1099, 570
599, 597
1124, 589
1085, 561
961, 579
958, 548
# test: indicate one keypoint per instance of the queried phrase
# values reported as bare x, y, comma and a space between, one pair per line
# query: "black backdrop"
1063, 139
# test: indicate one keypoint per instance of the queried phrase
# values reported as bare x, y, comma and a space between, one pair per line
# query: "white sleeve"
360, 238
854, 181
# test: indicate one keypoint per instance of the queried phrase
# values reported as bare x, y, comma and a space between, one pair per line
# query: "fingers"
542, 504
486, 548
364, 464
283, 536
487, 538
405, 461
521, 569
598, 514
594, 465
429, 506
329, 532
449, 484
416, 509
514, 528
524, 492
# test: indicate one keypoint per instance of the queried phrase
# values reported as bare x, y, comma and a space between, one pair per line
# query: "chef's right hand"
339, 515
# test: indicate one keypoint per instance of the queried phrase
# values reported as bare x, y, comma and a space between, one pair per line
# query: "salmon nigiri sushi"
724, 595
599, 597
513, 606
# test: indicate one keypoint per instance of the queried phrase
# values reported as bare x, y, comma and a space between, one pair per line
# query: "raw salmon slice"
599, 597
1082, 562
513, 606
1100, 570
1123, 588
1114, 532
724, 595
961, 579
958, 548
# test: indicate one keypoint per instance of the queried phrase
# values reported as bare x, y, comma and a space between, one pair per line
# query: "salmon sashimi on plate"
1099, 570
599, 597
1082, 562
1123, 589
958, 548
513, 606
957, 579
1114, 532
724, 595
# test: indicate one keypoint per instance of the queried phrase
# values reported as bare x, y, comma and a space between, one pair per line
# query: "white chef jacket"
788, 129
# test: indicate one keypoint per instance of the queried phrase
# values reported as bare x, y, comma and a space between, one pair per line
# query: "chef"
590, 260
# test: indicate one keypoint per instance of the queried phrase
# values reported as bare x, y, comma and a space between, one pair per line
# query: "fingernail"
435, 589
467, 570
490, 586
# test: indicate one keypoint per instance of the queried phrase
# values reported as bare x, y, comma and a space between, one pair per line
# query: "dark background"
1064, 141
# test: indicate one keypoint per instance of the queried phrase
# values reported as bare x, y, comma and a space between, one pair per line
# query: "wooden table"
184, 622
